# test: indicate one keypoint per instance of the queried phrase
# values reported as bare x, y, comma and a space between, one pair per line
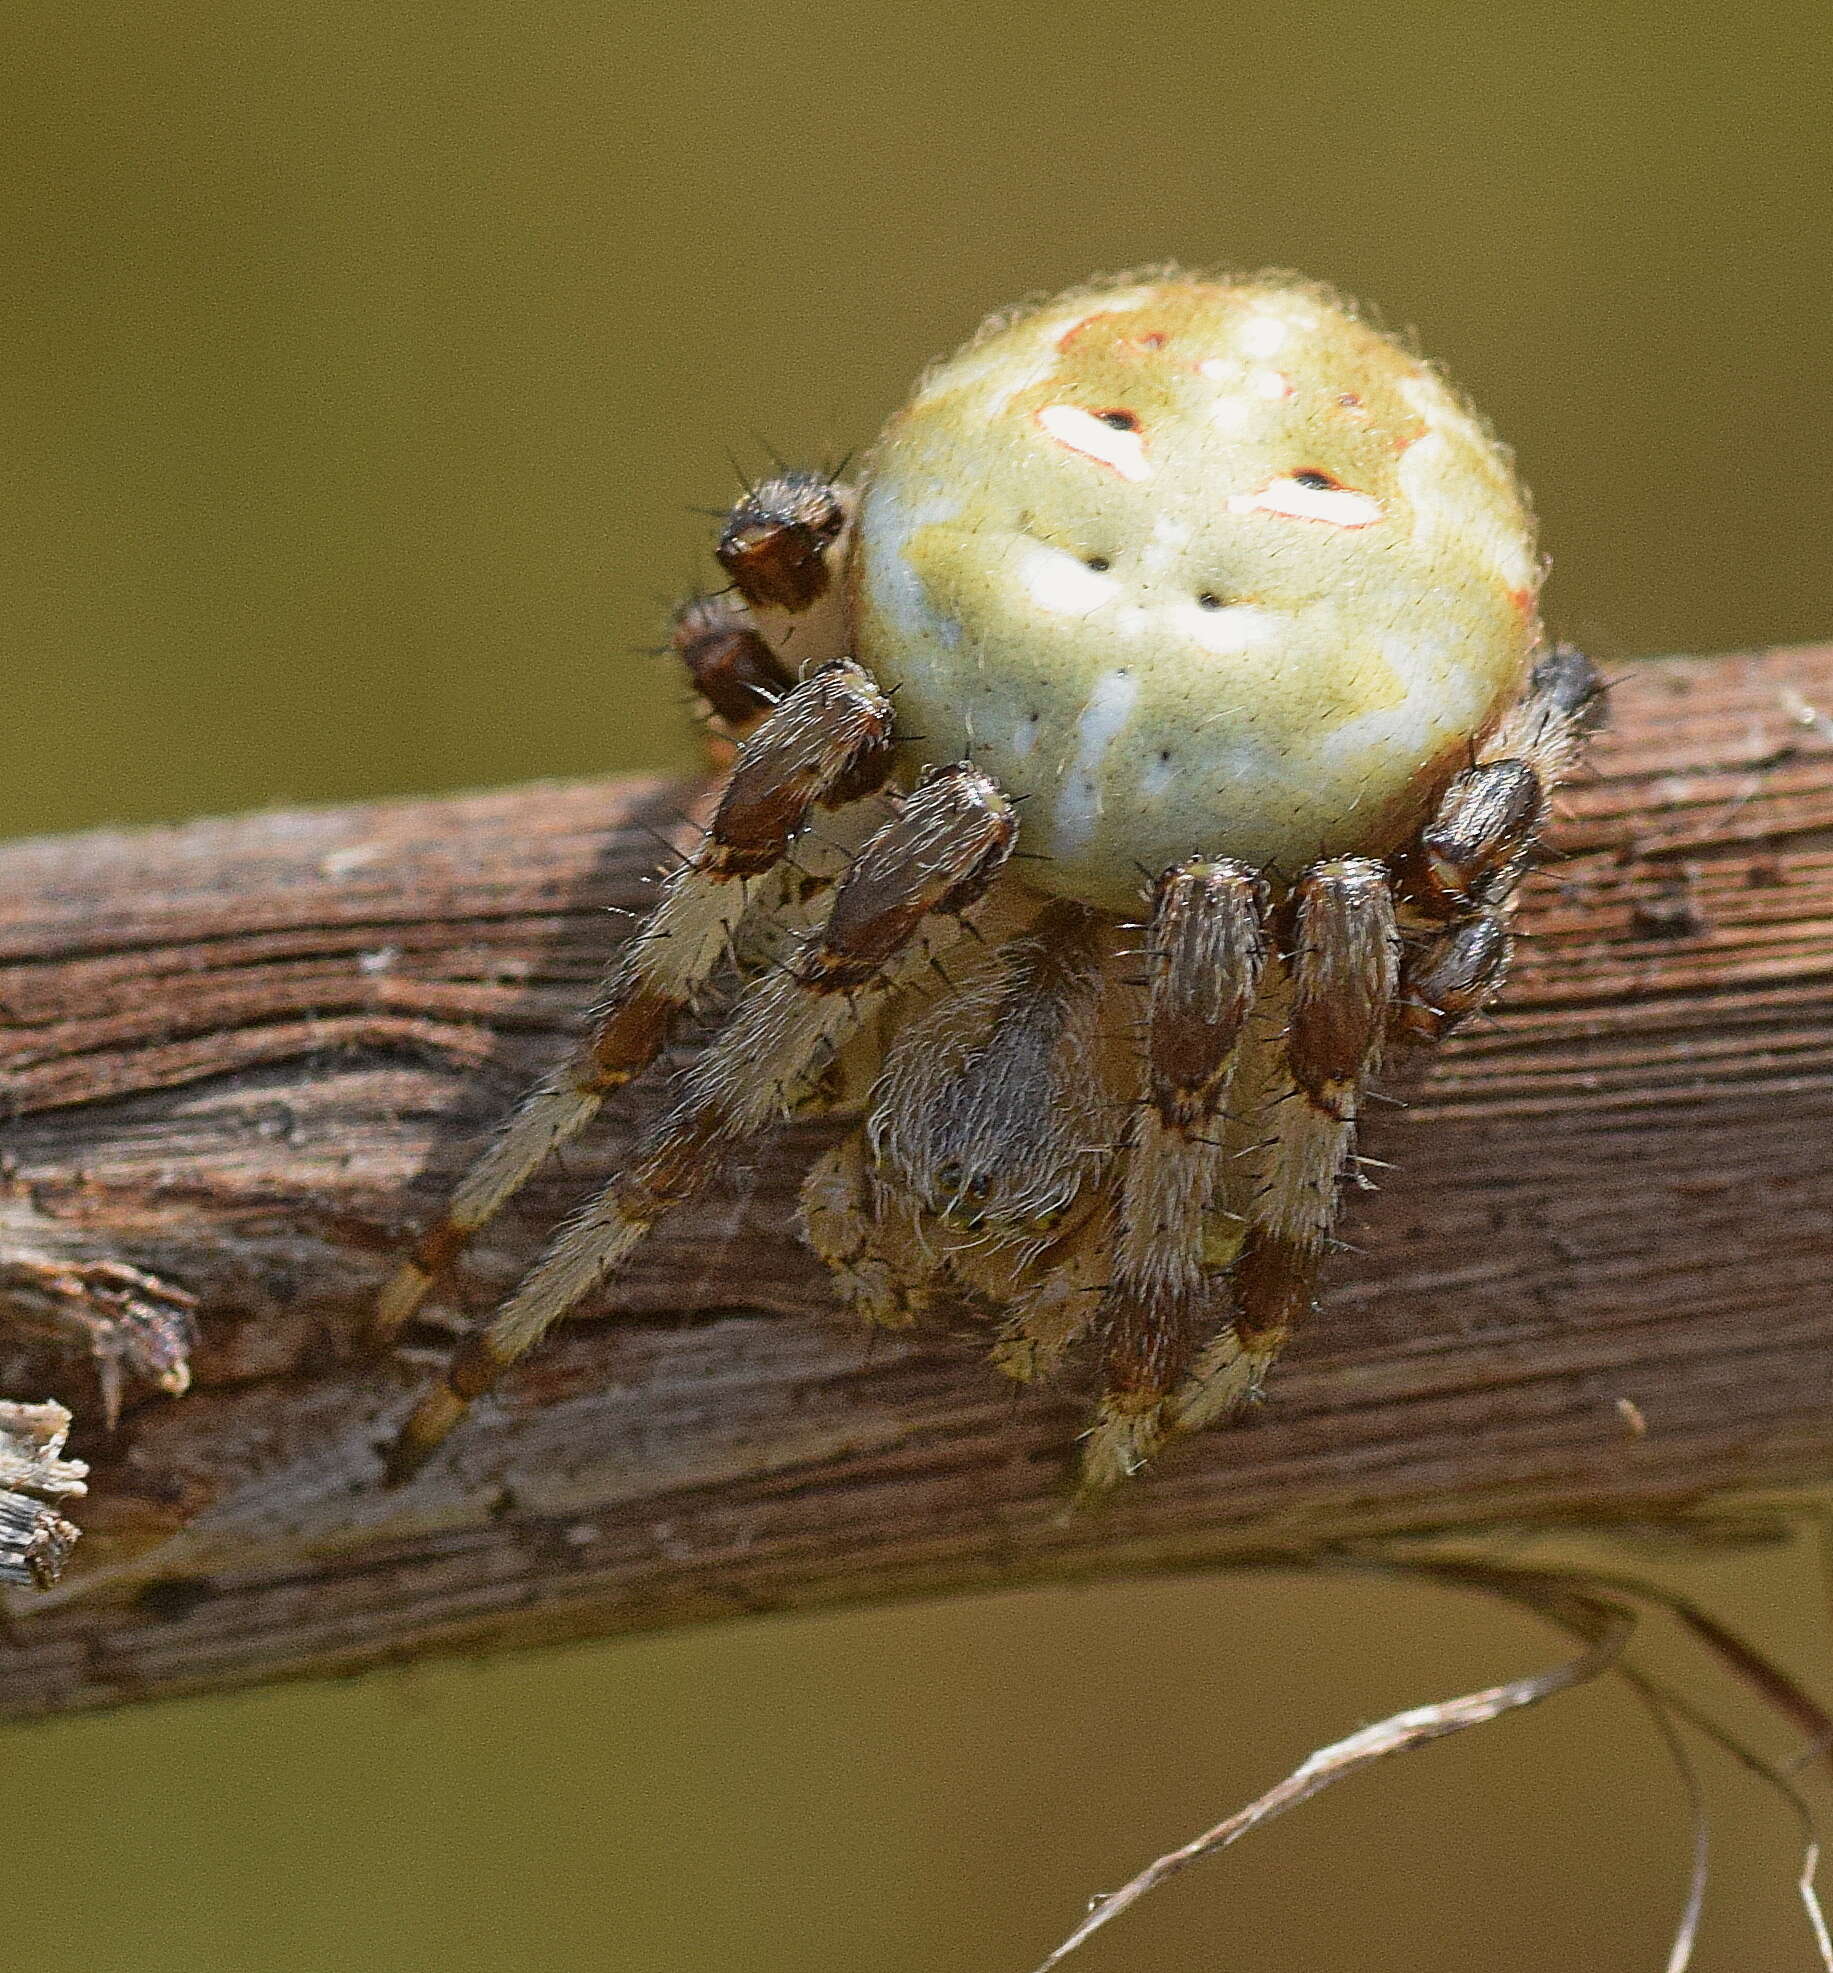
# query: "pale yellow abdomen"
1195, 566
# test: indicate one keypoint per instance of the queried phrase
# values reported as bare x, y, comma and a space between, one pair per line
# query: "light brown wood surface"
247, 1057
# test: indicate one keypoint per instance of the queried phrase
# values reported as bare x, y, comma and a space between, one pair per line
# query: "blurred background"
363, 369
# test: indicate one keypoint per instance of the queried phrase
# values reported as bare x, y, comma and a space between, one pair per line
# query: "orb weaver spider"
1150, 742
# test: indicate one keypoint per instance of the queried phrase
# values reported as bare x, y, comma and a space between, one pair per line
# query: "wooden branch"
244, 1059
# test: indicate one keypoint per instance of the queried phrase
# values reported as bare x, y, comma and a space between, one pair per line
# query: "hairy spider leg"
826, 744
868, 1237
1206, 951
986, 1123
899, 905
1048, 1315
1341, 975
1458, 883
1565, 703
736, 673
785, 546
986, 1111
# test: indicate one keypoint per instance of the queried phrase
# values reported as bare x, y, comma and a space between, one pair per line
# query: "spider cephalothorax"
1210, 613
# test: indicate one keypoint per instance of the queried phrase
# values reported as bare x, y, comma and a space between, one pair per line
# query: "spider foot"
841, 1226
135, 1327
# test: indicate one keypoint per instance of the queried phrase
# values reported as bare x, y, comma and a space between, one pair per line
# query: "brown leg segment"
898, 905
737, 675
1206, 950
1449, 976
1458, 882
828, 742
1342, 975
785, 546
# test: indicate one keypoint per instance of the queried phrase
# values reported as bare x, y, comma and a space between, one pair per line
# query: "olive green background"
361, 368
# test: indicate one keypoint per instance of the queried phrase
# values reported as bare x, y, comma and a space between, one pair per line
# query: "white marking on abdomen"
1157, 775
1340, 506
1078, 804
1083, 432
1238, 627
1232, 413
1062, 583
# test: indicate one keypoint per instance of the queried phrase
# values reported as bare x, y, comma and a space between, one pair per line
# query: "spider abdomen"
1195, 566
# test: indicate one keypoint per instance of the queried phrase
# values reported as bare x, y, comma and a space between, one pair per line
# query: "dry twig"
1599, 1611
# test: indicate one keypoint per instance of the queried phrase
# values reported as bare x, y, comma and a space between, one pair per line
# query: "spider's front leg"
827, 743
898, 906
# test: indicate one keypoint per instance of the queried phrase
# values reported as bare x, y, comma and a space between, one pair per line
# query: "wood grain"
246, 1058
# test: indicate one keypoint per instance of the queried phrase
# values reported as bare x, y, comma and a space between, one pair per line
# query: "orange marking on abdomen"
1146, 344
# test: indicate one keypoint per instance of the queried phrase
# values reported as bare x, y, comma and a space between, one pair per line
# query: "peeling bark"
35, 1539
242, 1061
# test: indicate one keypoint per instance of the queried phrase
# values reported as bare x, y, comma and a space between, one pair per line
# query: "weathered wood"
245, 1058
35, 1539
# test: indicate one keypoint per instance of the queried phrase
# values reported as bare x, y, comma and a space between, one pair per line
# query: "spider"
1151, 742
